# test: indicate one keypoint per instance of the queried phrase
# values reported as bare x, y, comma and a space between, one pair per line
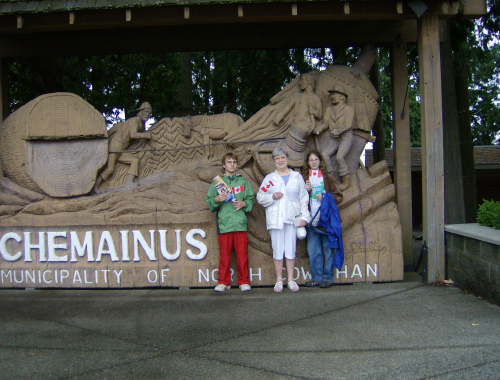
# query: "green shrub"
489, 214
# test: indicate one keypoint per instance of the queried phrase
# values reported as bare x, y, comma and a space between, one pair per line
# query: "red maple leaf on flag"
238, 189
315, 173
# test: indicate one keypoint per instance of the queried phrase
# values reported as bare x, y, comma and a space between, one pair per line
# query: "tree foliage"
242, 82
413, 95
476, 49
109, 83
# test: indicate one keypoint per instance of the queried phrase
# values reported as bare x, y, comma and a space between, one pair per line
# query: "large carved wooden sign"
89, 208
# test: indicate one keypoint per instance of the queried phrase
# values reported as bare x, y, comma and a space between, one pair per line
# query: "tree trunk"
186, 87
466, 142
378, 128
453, 183
207, 82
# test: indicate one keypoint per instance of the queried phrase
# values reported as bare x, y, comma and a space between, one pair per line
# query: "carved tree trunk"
54, 144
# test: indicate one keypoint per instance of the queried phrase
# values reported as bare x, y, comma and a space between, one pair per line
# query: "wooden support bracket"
186, 12
240, 10
71, 18
20, 21
399, 7
128, 15
445, 7
294, 9
347, 8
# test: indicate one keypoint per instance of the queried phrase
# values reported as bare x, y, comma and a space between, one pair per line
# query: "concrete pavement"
403, 330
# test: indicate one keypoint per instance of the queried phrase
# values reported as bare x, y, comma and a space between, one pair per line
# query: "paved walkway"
400, 330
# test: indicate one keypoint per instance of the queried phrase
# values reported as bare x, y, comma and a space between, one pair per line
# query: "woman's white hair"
279, 151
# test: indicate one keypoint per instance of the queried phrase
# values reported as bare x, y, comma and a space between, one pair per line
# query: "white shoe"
245, 287
292, 285
222, 287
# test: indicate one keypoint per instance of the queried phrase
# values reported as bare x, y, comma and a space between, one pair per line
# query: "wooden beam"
191, 37
207, 14
473, 7
71, 18
20, 21
432, 144
225, 13
186, 12
128, 15
402, 153
240, 10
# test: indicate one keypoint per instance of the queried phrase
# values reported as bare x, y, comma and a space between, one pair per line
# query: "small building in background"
487, 162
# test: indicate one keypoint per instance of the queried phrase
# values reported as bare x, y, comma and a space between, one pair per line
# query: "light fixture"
418, 6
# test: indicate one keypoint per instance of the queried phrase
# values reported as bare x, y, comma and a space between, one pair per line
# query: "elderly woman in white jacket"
284, 195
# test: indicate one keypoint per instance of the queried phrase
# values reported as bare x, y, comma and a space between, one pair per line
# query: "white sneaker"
245, 287
222, 287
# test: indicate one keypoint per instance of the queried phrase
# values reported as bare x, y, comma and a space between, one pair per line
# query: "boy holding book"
231, 203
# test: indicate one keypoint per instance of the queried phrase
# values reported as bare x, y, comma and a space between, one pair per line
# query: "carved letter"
3, 247
344, 272
163, 245
9, 275
52, 246
125, 253
200, 274
356, 271
63, 274
79, 249
152, 271
197, 244
30, 276
111, 251
150, 250
40, 246
370, 269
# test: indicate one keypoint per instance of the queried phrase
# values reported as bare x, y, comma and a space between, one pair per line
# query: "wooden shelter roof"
94, 27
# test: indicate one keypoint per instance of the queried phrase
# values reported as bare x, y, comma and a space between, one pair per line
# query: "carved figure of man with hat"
120, 137
338, 119
306, 111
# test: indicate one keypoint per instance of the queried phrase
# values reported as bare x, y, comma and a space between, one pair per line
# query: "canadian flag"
238, 189
315, 173
264, 188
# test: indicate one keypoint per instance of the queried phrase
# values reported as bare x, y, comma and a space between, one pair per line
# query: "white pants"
284, 242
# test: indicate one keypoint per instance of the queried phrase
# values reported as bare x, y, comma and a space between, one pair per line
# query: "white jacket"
294, 201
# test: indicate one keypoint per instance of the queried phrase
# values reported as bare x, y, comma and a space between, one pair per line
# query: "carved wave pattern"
167, 134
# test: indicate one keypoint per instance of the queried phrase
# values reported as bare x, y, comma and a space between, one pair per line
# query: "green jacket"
229, 220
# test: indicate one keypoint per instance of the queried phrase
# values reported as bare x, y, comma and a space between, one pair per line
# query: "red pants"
238, 240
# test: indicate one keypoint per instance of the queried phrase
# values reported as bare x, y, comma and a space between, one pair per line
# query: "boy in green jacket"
232, 223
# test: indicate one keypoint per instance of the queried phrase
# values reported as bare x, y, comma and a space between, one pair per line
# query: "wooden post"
432, 143
402, 154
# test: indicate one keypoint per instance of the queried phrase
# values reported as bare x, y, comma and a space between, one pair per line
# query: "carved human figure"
338, 119
306, 106
120, 137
